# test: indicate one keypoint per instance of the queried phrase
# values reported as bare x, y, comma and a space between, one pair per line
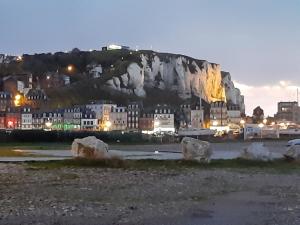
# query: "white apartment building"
197, 117
163, 119
26, 118
234, 115
103, 111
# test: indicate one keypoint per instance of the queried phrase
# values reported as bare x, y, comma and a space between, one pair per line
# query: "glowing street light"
17, 100
19, 58
70, 68
156, 123
215, 123
242, 122
48, 125
10, 124
265, 121
261, 125
107, 125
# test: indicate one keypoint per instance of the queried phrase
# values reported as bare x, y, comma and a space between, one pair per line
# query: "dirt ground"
166, 196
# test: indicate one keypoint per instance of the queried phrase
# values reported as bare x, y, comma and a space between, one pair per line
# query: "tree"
258, 115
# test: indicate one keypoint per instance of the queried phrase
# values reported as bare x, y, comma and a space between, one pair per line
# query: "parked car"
293, 142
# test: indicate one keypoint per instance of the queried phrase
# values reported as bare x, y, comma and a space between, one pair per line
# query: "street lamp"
70, 68
107, 125
215, 123
48, 125
17, 100
19, 58
242, 122
265, 121
10, 124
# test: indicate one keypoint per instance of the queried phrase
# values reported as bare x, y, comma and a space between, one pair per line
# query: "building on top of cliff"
20, 83
115, 47
36, 98
54, 80
95, 70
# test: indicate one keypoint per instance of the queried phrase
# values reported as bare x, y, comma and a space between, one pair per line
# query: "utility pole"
201, 113
297, 97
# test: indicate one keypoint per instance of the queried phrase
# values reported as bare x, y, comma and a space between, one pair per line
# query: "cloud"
267, 96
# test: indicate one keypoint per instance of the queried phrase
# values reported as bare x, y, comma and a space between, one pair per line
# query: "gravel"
123, 197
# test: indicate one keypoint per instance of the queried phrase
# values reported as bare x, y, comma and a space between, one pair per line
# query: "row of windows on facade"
133, 125
60, 115
163, 111
5, 101
37, 97
160, 116
133, 119
119, 110
133, 112
88, 122
133, 106
5, 95
118, 122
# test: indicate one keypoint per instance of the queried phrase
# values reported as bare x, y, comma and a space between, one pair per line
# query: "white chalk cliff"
178, 73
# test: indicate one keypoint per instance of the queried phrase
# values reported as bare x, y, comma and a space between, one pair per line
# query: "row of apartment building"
107, 116
104, 116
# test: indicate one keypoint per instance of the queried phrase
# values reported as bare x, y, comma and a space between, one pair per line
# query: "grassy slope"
274, 166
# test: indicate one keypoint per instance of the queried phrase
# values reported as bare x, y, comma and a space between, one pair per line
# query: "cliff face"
181, 74
233, 94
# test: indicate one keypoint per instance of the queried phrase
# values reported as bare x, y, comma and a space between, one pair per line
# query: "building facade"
218, 114
13, 118
6, 101
234, 115
163, 119
133, 115
288, 111
197, 117
118, 119
26, 118
89, 120
102, 110
146, 121
37, 121
72, 118
2, 120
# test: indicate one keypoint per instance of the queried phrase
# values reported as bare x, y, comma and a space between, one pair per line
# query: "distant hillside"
128, 75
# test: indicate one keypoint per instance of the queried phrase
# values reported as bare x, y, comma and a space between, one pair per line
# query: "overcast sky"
257, 41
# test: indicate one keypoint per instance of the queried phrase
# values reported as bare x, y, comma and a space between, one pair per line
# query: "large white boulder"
293, 150
89, 147
256, 151
194, 149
